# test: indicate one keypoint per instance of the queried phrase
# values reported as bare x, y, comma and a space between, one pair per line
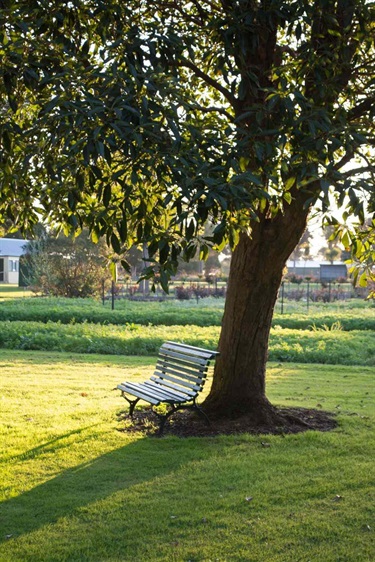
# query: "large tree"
145, 119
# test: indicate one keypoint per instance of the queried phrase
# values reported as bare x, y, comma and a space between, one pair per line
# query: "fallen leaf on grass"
337, 498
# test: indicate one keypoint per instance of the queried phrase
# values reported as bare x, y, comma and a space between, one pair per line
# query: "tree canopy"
145, 119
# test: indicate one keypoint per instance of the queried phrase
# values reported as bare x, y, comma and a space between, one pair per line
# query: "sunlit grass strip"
74, 488
336, 347
13, 292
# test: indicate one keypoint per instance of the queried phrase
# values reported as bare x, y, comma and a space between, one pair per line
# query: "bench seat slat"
173, 371
171, 384
161, 394
183, 365
194, 362
188, 361
139, 394
179, 381
168, 392
155, 392
163, 383
139, 387
195, 367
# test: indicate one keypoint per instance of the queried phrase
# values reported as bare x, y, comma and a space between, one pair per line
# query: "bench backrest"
184, 365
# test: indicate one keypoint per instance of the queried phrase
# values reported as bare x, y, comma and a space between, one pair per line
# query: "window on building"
13, 265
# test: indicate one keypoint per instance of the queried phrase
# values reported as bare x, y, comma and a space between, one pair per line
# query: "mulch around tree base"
185, 423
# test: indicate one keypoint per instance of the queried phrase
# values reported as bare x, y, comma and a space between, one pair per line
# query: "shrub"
199, 292
293, 278
183, 293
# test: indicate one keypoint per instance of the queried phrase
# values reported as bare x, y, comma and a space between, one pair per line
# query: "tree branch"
361, 108
344, 160
210, 81
362, 170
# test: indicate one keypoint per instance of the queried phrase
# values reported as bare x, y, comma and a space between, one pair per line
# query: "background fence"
306, 294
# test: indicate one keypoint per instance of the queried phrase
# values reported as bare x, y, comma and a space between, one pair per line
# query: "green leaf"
289, 183
107, 195
164, 279
71, 201
287, 197
95, 235
203, 252
126, 265
113, 270
362, 282
123, 230
115, 243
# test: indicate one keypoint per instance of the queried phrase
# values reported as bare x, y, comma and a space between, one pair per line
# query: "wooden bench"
179, 376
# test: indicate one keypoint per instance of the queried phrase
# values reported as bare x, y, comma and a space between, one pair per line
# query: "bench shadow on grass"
72, 493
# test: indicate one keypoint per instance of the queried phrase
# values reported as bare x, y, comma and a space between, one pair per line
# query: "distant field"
355, 315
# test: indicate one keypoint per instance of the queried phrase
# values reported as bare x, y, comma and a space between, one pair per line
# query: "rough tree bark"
254, 280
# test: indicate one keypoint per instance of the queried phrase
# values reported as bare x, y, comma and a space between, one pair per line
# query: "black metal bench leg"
132, 404
163, 418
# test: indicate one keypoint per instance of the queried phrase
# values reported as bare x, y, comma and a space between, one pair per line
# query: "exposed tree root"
276, 421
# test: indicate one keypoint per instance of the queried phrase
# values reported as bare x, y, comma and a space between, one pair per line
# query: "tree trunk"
255, 276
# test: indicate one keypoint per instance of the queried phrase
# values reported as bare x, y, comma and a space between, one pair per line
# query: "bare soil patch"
186, 423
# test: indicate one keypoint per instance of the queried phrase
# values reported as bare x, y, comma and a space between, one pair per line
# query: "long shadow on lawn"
58, 443
64, 496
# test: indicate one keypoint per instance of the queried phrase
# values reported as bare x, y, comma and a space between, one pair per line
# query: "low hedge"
170, 313
335, 347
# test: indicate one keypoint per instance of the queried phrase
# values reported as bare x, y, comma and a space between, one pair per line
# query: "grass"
73, 488
13, 292
309, 346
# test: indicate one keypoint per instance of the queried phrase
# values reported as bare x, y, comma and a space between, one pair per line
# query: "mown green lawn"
74, 488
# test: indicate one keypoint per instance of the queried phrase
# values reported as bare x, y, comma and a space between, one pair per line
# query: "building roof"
303, 263
311, 263
12, 247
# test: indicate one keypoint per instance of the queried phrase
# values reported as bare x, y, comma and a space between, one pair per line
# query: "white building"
324, 271
10, 252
